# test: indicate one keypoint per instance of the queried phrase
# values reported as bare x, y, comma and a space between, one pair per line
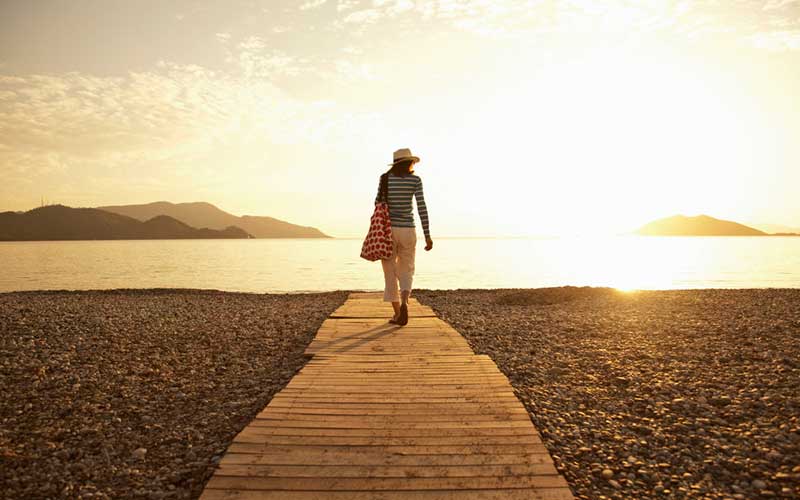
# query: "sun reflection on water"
625, 263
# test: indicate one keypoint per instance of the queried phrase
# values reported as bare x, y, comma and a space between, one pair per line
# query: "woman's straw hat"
403, 154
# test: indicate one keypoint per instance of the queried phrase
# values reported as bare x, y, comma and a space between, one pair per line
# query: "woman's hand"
428, 244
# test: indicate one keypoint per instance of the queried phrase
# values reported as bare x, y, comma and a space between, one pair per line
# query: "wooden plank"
399, 408
338, 416
388, 385
473, 376
250, 436
476, 449
442, 364
393, 365
404, 392
392, 386
383, 362
389, 415
388, 412
313, 373
497, 381
277, 455
353, 398
376, 359
433, 426
496, 494
418, 384
219, 481
270, 430
357, 471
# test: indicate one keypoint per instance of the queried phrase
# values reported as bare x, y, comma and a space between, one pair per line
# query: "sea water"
305, 265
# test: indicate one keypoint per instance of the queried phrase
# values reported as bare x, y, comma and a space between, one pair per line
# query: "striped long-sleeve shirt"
401, 212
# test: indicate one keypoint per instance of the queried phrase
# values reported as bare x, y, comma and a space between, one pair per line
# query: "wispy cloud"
168, 121
365, 16
312, 4
353, 72
344, 5
256, 61
777, 40
780, 4
510, 18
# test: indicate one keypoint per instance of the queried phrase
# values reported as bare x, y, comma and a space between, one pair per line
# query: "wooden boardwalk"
387, 412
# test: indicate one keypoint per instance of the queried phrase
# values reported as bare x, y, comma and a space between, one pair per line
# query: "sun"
612, 137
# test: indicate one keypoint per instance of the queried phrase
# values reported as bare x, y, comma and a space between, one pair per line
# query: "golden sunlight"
632, 137
395, 248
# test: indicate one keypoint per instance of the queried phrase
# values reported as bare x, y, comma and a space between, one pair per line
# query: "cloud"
354, 72
312, 4
776, 40
366, 16
166, 122
344, 5
256, 61
779, 4
581, 18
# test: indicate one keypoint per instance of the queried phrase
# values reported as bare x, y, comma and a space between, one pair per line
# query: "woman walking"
401, 185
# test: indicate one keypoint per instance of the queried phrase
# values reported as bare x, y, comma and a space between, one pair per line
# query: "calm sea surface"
625, 262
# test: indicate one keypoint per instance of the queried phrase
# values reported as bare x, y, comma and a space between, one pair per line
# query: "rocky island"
58, 222
202, 214
701, 225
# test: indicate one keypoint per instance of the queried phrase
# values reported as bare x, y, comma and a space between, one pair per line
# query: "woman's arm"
423, 213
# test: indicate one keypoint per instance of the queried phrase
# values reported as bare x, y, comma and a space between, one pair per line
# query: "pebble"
88, 375
664, 387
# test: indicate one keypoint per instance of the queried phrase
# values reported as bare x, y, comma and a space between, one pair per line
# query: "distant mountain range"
701, 225
57, 222
201, 214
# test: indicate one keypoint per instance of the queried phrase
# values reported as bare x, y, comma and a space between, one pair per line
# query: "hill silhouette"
202, 214
702, 225
58, 222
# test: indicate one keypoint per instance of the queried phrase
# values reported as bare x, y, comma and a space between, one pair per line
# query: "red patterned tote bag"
378, 243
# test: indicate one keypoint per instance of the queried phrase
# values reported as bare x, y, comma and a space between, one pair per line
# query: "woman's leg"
406, 250
406, 253
396, 307
391, 292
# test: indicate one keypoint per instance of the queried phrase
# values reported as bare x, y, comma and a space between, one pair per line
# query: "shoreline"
215, 291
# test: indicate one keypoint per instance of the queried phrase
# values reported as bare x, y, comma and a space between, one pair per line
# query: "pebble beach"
649, 395
137, 393
642, 395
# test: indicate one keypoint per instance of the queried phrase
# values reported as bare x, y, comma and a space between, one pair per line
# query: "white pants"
400, 268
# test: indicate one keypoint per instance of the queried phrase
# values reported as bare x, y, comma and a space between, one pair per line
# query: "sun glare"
616, 132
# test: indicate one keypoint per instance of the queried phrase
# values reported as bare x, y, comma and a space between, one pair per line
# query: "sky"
531, 117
